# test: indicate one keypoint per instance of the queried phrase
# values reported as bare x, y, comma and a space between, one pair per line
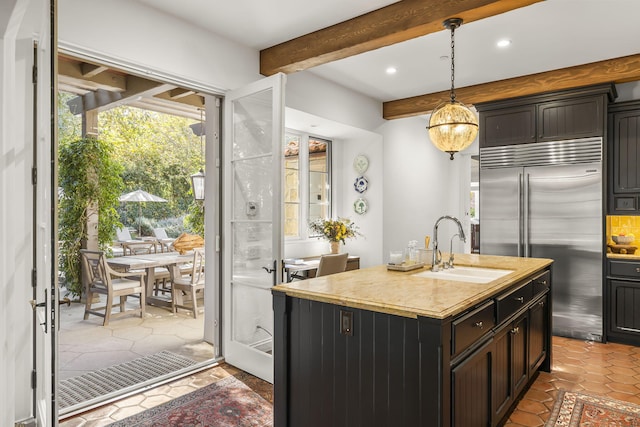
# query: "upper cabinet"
572, 118
571, 114
624, 157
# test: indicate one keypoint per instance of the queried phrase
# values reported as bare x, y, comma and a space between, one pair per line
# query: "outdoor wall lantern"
197, 184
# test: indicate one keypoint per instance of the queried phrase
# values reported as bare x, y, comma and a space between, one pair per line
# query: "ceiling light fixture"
452, 126
391, 70
503, 43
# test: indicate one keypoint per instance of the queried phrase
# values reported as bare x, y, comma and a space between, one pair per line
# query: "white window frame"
304, 181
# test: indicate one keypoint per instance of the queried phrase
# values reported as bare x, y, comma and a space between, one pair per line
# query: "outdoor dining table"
149, 262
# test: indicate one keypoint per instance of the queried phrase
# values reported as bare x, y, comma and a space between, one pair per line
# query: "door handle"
520, 219
273, 271
35, 305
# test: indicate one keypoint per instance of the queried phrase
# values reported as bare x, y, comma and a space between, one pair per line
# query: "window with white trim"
307, 182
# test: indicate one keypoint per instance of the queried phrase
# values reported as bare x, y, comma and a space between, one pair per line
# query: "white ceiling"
548, 35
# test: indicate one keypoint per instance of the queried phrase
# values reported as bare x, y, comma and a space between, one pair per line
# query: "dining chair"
166, 243
133, 246
189, 285
331, 264
103, 280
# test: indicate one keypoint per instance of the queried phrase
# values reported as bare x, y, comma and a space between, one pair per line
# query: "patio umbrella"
140, 196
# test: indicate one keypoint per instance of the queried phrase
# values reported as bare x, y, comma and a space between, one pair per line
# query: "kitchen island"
374, 347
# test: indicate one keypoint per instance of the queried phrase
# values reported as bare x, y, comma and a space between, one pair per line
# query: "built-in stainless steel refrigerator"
544, 200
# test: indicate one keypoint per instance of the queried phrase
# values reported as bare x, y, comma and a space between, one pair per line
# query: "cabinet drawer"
541, 283
624, 269
472, 326
512, 301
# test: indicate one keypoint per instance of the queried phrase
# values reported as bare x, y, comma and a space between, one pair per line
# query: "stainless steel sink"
466, 274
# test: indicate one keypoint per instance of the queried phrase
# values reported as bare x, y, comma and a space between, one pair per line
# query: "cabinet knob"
519, 299
479, 325
637, 269
515, 330
541, 303
543, 282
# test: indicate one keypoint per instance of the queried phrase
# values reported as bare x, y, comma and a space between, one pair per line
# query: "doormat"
578, 409
225, 403
96, 384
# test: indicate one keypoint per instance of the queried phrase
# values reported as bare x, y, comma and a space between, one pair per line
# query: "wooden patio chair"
166, 243
188, 286
101, 279
134, 246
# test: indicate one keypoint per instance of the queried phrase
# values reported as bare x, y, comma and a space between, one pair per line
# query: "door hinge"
34, 277
34, 379
34, 176
34, 74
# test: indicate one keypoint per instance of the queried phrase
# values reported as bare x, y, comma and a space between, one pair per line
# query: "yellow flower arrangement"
334, 230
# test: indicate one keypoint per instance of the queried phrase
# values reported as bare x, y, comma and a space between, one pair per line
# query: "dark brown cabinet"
554, 116
471, 389
511, 366
623, 283
538, 332
624, 157
515, 125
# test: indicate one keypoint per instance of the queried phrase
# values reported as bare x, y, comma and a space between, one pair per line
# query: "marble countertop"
402, 294
634, 257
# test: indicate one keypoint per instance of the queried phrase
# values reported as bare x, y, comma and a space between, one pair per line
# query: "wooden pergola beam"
72, 73
398, 22
616, 70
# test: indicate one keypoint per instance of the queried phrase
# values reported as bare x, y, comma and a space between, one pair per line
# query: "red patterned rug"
577, 409
226, 403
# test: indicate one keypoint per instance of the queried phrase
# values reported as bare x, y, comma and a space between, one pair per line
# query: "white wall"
16, 211
156, 43
420, 185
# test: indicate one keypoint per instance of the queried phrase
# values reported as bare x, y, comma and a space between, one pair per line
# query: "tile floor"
611, 370
86, 345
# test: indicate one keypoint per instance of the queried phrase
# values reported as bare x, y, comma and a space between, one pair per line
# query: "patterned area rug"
577, 409
226, 403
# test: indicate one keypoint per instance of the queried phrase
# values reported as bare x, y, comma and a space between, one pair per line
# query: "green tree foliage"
194, 220
159, 152
88, 176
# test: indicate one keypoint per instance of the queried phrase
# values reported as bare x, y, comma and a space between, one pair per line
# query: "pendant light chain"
453, 66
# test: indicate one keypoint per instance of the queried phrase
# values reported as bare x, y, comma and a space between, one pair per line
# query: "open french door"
45, 286
252, 216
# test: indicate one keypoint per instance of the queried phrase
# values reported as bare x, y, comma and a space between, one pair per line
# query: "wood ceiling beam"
616, 70
91, 70
192, 99
398, 22
71, 73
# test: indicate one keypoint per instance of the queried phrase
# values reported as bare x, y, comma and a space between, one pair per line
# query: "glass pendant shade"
452, 127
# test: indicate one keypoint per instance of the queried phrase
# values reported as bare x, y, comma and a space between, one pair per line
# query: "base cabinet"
511, 368
623, 289
471, 389
349, 367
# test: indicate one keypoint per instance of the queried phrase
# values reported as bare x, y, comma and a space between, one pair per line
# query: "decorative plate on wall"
361, 184
361, 163
360, 206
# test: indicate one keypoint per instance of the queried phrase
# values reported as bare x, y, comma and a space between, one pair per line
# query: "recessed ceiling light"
391, 70
444, 58
503, 43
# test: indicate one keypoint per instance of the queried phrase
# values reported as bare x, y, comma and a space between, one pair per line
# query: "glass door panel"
253, 239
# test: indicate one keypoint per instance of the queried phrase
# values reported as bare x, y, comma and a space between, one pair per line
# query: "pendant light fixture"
452, 126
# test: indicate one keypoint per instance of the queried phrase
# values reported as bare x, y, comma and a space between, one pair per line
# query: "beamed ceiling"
99, 87
408, 19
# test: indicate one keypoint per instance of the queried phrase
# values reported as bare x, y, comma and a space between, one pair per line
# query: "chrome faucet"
437, 257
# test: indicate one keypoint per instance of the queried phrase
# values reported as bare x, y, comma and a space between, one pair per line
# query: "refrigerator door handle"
527, 249
520, 221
